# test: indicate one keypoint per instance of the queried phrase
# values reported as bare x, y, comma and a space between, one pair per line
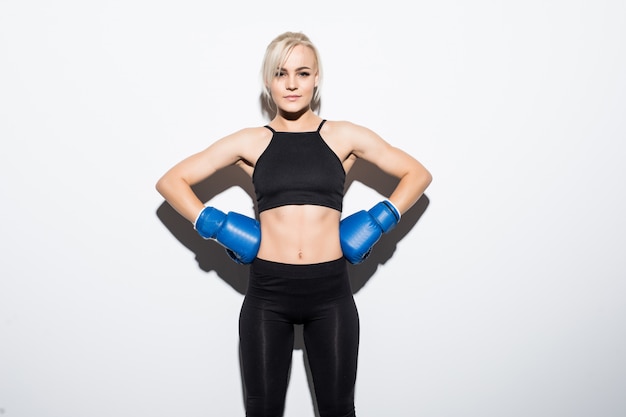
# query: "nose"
291, 84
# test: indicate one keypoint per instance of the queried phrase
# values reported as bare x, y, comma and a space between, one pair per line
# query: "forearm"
410, 188
180, 196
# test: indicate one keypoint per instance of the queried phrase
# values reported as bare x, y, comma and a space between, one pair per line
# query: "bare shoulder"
354, 136
243, 143
249, 135
345, 128
248, 144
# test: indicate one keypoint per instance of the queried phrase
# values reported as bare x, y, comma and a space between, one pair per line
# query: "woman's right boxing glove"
239, 234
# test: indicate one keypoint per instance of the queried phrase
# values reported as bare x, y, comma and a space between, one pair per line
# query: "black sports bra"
298, 168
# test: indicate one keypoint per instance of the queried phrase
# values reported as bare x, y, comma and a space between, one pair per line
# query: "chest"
302, 161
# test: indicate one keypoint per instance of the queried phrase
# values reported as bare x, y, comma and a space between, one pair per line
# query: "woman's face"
293, 86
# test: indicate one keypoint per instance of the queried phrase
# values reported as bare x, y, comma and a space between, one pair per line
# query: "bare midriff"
300, 234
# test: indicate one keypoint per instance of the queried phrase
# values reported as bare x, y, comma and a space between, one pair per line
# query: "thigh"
266, 342
332, 344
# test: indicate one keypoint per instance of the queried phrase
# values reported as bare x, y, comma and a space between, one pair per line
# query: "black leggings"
319, 297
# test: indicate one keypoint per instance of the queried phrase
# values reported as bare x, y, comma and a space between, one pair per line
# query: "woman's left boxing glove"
359, 232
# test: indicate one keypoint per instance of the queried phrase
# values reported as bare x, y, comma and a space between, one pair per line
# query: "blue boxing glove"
239, 234
360, 231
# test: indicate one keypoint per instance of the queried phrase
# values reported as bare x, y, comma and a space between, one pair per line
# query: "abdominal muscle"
300, 234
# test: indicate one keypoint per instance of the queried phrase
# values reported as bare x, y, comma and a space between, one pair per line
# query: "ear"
317, 78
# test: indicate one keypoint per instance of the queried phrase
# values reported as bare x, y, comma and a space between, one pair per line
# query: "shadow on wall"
212, 257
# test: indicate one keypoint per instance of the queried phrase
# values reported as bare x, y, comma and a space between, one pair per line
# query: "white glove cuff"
396, 208
197, 217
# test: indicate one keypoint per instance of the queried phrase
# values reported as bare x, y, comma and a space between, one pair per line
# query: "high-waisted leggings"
317, 296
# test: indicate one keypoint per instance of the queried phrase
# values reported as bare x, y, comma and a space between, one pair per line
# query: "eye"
279, 73
304, 74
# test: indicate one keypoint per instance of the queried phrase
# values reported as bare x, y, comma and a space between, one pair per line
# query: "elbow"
423, 182
170, 185
428, 178
161, 185
423, 177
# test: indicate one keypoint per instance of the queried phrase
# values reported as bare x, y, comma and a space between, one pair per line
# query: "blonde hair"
275, 56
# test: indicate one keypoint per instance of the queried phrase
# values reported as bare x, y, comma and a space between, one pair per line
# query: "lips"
292, 98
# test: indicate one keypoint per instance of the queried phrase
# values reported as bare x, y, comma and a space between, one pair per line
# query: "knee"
262, 407
337, 409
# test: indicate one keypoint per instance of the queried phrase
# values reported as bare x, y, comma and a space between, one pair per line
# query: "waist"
316, 270
300, 235
276, 285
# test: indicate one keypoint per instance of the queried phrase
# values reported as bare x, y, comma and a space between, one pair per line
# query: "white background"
501, 294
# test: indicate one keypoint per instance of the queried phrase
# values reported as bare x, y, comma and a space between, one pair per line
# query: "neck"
305, 121
294, 116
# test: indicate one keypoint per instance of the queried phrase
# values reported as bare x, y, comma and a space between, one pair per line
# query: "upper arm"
226, 151
369, 146
413, 177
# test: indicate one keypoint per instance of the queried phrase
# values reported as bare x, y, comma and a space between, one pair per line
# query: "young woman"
298, 248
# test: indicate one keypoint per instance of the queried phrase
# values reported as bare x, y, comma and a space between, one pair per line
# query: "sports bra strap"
320, 126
